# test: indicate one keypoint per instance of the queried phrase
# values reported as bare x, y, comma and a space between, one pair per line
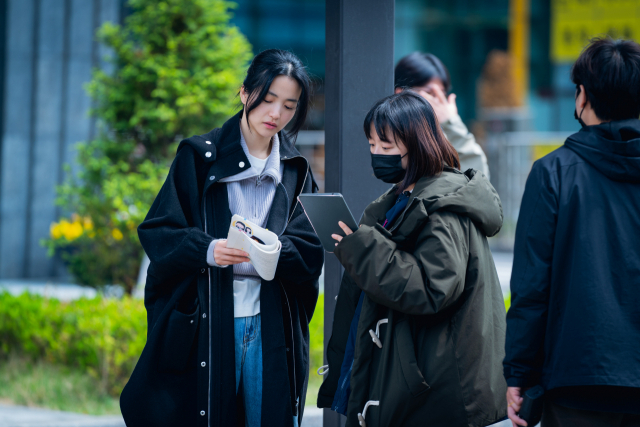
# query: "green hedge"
101, 335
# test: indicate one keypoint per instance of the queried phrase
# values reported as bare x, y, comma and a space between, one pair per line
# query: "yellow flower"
54, 230
71, 231
117, 234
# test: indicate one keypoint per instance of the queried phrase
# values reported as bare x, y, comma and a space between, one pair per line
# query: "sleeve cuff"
520, 382
210, 259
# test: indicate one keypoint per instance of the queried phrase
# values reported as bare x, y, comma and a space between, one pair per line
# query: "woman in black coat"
209, 360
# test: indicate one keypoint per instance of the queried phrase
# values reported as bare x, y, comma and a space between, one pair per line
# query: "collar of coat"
221, 149
414, 215
272, 168
469, 194
223, 156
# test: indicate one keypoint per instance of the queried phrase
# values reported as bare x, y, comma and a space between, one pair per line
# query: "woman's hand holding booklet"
261, 244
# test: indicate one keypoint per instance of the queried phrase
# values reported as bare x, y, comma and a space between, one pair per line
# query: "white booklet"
261, 244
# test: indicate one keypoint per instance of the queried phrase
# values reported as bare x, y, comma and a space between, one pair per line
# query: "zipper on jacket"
293, 342
293, 353
343, 388
401, 217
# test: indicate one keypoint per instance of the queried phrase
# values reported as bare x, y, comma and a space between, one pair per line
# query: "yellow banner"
574, 22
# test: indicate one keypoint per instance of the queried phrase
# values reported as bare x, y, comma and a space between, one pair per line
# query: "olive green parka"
433, 279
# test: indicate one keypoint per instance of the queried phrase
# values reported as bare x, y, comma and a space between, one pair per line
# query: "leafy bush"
99, 243
178, 65
102, 336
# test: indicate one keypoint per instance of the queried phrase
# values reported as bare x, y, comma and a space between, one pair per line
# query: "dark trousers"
554, 415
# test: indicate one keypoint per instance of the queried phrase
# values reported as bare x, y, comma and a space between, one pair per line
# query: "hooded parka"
432, 301
186, 375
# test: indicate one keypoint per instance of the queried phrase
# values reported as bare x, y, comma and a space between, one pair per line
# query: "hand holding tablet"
329, 216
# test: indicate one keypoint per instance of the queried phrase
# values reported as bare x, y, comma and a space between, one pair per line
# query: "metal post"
359, 71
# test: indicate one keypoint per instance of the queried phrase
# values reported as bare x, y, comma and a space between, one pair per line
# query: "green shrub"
102, 336
178, 66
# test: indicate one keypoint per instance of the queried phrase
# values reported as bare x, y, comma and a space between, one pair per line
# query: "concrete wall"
49, 52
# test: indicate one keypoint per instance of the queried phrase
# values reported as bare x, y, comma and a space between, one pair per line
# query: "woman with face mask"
418, 332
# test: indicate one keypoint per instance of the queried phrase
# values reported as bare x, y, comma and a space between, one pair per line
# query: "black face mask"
388, 167
575, 112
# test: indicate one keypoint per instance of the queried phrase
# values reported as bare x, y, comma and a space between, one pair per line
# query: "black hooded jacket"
186, 375
575, 313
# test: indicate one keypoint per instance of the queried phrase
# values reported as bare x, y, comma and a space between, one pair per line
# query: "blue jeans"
248, 345
248, 339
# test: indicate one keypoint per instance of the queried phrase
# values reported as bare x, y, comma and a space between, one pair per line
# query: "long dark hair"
417, 69
265, 67
409, 118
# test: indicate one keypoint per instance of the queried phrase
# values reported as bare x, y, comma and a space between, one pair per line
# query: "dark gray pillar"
359, 71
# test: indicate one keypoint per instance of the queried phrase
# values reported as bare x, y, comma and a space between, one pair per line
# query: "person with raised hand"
425, 74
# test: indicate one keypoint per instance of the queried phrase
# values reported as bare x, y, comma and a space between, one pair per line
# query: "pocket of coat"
178, 340
406, 354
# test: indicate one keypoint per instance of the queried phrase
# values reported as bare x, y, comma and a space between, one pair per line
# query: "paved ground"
20, 416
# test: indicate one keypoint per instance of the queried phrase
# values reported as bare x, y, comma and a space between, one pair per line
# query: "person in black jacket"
224, 346
574, 322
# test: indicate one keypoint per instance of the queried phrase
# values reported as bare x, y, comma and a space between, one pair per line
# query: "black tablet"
324, 210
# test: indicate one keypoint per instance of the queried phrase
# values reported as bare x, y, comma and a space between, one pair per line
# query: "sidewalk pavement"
22, 416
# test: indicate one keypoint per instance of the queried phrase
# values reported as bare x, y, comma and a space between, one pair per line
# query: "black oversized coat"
186, 375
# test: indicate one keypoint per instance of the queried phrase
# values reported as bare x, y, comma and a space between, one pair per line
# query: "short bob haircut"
409, 118
610, 72
264, 68
417, 69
